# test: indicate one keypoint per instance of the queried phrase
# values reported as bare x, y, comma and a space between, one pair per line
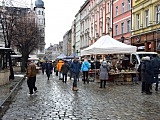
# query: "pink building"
100, 20
122, 20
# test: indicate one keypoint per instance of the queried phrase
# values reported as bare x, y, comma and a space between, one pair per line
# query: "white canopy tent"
61, 56
108, 45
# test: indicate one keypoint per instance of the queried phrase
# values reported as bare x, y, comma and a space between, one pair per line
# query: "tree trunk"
24, 63
11, 77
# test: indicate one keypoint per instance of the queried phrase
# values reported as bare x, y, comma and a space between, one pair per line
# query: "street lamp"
77, 52
122, 39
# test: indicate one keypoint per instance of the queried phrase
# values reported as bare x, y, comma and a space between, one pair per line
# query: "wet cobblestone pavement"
55, 100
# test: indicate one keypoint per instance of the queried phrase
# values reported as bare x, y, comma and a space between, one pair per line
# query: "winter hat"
143, 58
147, 58
104, 63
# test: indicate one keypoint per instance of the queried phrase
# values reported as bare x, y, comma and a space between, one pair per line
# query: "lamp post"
122, 39
77, 52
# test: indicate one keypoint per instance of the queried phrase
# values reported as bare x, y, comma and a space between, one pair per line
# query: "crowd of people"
148, 72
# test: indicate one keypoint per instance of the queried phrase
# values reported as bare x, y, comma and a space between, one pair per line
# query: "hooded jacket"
31, 70
59, 65
85, 66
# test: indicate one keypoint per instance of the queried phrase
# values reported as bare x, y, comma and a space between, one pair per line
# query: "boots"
74, 88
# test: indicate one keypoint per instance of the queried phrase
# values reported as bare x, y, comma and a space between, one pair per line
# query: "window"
129, 5
158, 14
108, 7
39, 12
137, 21
128, 25
42, 49
146, 18
123, 7
116, 10
116, 28
122, 28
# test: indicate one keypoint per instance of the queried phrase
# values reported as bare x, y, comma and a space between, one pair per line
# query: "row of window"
123, 7
40, 13
128, 23
147, 18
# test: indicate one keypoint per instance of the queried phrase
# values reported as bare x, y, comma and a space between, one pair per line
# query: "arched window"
39, 12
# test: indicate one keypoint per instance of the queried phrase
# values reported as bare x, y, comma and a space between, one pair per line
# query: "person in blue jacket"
85, 68
75, 68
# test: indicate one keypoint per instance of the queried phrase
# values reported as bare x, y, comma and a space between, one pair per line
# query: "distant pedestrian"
103, 76
64, 71
75, 68
59, 65
43, 67
70, 73
31, 77
155, 62
48, 68
85, 68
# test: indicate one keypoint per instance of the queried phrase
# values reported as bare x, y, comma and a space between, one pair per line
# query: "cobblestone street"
55, 100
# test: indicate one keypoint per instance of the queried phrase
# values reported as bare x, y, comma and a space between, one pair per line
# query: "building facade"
84, 23
146, 25
78, 32
73, 37
122, 20
40, 19
67, 43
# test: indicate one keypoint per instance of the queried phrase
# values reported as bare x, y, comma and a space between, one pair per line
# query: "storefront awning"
5, 49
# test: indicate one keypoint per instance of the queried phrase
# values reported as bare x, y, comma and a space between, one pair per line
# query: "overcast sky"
59, 16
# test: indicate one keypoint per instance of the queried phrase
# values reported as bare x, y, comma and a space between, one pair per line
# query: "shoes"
142, 91
36, 91
148, 93
30, 94
75, 89
156, 89
100, 87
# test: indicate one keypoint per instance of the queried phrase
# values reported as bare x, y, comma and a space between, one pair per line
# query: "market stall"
108, 45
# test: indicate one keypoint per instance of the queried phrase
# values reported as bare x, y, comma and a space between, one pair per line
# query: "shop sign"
140, 47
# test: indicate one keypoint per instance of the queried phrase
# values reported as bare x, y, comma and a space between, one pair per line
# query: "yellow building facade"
146, 25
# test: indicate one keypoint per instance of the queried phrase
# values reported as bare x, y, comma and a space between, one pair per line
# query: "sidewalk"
6, 89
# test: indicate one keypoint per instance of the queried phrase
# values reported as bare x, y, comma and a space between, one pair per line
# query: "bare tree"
26, 37
7, 23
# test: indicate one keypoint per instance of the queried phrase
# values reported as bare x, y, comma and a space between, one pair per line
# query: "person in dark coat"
43, 67
103, 76
141, 70
49, 68
64, 71
31, 77
155, 62
75, 68
148, 75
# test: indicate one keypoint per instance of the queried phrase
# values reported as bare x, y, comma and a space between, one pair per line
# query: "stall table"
122, 77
